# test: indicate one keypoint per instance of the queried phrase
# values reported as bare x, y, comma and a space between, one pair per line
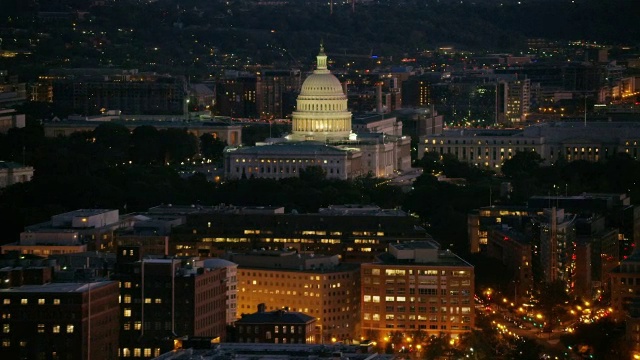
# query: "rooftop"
57, 287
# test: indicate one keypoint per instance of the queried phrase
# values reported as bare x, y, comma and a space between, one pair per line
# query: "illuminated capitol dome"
322, 136
322, 112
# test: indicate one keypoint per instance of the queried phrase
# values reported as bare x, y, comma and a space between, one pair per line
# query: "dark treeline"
114, 168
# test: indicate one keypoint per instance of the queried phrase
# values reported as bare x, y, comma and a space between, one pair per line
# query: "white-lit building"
322, 135
14, 173
489, 148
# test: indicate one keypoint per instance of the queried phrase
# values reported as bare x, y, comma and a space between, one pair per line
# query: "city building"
322, 137
356, 233
74, 231
558, 247
219, 127
625, 287
480, 221
231, 284
252, 351
14, 173
489, 148
162, 299
513, 100
236, 95
131, 92
317, 285
9, 119
277, 327
514, 250
276, 92
60, 321
416, 287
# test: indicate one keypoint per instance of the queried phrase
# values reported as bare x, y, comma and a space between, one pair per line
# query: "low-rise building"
74, 231
14, 173
278, 327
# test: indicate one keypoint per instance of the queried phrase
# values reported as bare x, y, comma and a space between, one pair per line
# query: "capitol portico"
322, 136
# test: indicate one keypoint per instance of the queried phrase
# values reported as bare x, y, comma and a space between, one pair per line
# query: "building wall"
164, 299
68, 324
434, 299
331, 297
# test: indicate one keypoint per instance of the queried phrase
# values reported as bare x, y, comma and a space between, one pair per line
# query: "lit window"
6, 301
40, 301
6, 343
40, 328
127, 285
147, 352
24, 301
127, 312
6, 328
158, 301
56, 301
69, 329
127, 299
126, 352
137, 352
138, 326
56, 329
147, 301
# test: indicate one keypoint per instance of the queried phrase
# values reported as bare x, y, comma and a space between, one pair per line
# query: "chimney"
262, 307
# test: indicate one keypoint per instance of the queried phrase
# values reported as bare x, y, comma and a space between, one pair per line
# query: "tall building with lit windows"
320, 286
60, 321
162, 299
416, 288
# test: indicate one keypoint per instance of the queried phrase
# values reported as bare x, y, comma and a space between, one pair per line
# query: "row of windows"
41, 328
427, 272
480, 142
300, 161
430, 318
276, 329
41, 301
138, 352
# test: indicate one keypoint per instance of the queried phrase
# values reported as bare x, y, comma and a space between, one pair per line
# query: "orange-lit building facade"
319, 286
416, 288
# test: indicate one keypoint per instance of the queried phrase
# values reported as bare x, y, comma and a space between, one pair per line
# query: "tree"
211, 148
522, 164
146, 146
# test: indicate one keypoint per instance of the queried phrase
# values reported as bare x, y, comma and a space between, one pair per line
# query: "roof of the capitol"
322, 82
306, 147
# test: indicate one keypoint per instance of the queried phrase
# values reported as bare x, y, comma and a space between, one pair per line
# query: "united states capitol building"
322, 136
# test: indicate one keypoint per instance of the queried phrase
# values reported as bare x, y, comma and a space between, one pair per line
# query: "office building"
489, 148
513, 249
355, 233
319, 286
60, 321
129, 92
74, 231
167, 298
416, 287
